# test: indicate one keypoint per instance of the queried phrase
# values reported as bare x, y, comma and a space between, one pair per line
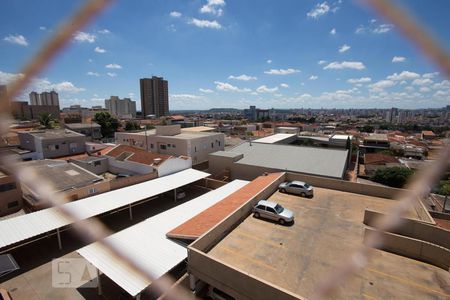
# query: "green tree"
392, 176
444, 187
108, 123
46, 120
131, 125
367, 128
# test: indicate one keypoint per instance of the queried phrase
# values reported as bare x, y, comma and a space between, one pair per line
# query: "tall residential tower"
154, 96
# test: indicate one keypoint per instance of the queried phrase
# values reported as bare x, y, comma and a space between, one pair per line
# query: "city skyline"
315, 54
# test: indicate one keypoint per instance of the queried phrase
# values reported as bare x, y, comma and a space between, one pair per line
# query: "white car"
297, 187
272, 211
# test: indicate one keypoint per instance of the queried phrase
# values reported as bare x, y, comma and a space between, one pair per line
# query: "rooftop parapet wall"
239, 284
413, 248
363, 189
414, 229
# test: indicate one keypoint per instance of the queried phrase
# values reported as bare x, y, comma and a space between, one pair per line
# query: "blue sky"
232, 53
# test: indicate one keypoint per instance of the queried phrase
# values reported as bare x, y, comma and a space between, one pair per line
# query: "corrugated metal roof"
308, 160
147, 242
274, 138
27, 226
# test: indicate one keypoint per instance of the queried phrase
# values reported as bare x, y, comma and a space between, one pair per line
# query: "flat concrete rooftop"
326, 229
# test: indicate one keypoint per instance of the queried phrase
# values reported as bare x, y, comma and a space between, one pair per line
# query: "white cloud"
360, 29
319, 10
184, 96
397, 59
424, 89
269, 61
206, 91
40, 85
43, 28
374, 28
322, 62
344, 48
64, 86
382, 84
90, 73
383, 28
284, 85
356, 65
104, 31
7, 78
226, 87
281, 71
405, 75
313, 77
99, 50
213, 7
442, 84
175, 14
333, 31
242, 77
113, 66
90, 60
359, 80
205, 23
82, 37
17, 39
265, 89
422, 81
111, 74
430, 75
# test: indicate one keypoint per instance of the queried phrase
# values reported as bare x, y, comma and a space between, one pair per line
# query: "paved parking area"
326, 229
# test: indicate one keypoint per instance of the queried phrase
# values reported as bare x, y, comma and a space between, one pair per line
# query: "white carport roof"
30, 225
147, 242
274, 138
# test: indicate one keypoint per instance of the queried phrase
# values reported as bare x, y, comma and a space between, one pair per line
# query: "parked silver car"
297, 187
273, 211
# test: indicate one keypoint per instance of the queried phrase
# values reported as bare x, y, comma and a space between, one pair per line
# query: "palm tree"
46, 120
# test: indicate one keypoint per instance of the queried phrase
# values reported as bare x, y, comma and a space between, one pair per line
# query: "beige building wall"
196, 146
10, 195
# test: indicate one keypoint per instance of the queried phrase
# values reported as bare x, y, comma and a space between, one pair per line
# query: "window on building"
7, 186
195, 149
173, 146
92, 191
56, 147
13, 204
212, 145
163, 147
97, 163
151, 146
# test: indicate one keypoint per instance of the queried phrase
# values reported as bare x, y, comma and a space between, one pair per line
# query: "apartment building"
154, 96
10, 194
66, 178
122, 108
91, 130
51, 143
172, 140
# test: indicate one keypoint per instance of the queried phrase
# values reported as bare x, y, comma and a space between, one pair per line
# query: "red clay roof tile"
204, 221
